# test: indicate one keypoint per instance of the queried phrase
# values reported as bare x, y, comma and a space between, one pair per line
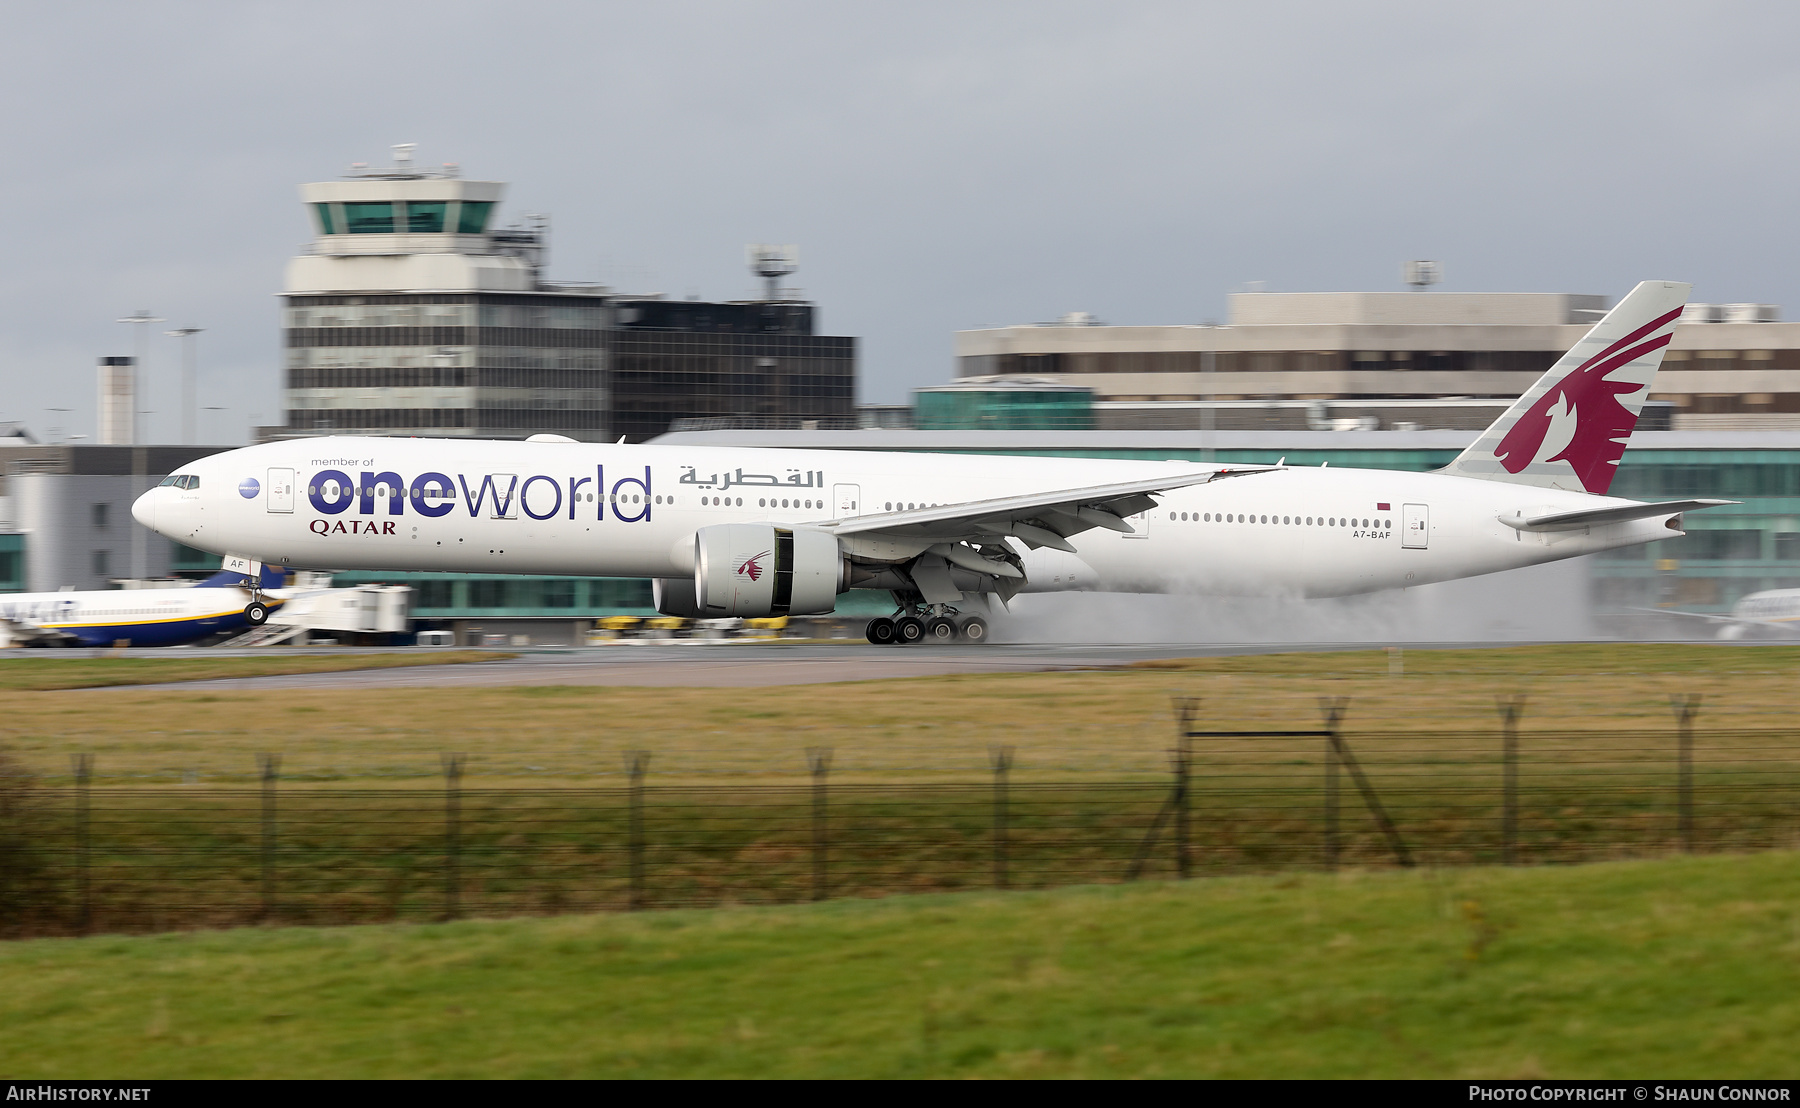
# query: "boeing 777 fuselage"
728, 531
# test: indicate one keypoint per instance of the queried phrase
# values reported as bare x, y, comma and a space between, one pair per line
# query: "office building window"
100, 516
102, 562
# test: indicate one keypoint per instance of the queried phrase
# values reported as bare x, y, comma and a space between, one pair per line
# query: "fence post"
83, 765
1182, 750
1511, 708
1001, 758
1686, 707
453, 771
636, 763
1334, 708
269, 767
818, 761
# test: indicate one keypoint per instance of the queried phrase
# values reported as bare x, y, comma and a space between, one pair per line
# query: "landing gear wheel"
975, 629
256, 614
880, 631
908, 630
941, 630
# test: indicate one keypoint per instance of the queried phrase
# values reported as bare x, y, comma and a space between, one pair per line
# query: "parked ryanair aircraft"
226, 601
757, 532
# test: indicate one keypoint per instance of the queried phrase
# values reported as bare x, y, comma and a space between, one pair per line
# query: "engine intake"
758, 569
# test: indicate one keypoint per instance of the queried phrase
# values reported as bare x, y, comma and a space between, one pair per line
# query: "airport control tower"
411, 313
406, 228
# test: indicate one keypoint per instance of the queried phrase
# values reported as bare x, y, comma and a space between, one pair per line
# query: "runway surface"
727, 665
748, 665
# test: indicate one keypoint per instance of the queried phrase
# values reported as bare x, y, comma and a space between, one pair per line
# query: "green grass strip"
1687, 967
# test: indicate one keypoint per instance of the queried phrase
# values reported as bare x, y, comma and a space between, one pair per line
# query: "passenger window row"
1289, 521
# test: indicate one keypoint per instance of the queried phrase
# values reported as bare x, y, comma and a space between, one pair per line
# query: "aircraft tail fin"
1569, 429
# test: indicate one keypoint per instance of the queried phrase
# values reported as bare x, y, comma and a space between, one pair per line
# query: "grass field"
1680, 968
1117, 723
37, 673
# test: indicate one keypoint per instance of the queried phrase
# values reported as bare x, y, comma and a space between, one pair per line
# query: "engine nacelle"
758, 569
675, 597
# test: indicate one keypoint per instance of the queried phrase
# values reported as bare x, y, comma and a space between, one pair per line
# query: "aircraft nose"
144, 509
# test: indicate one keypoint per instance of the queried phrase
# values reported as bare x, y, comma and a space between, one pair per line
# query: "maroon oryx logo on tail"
1602, 424
752, 567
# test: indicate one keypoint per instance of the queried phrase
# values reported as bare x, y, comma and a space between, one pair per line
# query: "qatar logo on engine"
752, 567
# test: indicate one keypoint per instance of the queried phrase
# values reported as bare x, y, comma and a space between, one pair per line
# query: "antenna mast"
772, 263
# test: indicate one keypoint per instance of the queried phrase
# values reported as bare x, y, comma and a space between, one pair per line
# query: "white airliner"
1773, 613
139, 617
755, 532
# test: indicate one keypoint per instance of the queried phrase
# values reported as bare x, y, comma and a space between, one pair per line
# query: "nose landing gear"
256, 613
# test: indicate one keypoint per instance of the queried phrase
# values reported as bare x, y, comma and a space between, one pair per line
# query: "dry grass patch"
1117, 723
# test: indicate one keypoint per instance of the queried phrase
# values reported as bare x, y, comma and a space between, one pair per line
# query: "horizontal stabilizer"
1595, 517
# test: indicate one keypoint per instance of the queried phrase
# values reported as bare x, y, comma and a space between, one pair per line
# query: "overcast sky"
941, 166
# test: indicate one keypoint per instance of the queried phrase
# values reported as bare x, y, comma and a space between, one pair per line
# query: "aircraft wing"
15, 631
1790, 627
1037, 519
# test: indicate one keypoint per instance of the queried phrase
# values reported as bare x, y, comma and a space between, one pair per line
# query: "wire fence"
123, 858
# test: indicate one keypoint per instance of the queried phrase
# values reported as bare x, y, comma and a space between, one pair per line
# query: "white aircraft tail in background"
1568, 431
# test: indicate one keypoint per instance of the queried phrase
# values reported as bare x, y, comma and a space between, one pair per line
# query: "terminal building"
65, 515
1392, 360
413, 313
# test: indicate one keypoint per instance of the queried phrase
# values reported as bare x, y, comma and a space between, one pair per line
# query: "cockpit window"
169, 480
180, 481
193, 481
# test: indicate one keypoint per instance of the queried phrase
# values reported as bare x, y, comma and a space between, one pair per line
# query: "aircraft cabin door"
1415, 526
1140, 525
281, 490
846, 501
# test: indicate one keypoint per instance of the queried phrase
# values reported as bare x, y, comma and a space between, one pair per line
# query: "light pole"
186, 335
143, 319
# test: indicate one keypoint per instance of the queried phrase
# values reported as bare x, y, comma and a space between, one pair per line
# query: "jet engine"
758, 569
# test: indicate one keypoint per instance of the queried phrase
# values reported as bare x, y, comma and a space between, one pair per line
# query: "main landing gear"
934, 623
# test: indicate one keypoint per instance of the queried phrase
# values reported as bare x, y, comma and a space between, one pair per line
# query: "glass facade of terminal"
1003, 409
12, 563
1259, 361
509, 365
1731, 397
